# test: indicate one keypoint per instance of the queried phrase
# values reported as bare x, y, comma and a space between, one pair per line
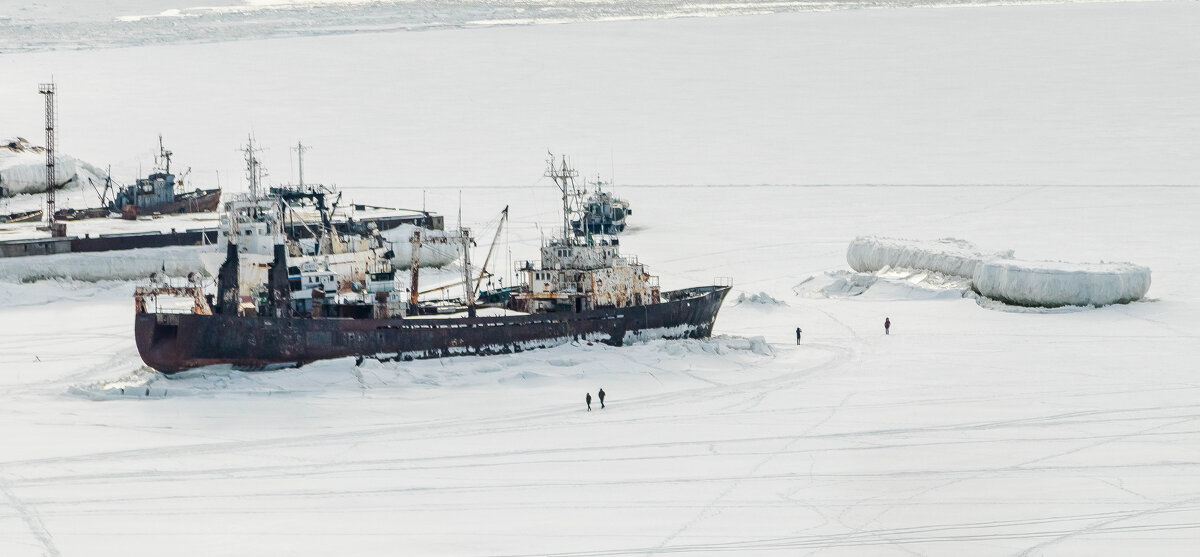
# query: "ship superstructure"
582, 270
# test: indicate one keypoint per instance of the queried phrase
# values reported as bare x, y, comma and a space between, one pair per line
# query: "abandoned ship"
582, 289
155, 194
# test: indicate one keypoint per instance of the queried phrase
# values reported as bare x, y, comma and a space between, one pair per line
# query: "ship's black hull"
599, 227
172, 342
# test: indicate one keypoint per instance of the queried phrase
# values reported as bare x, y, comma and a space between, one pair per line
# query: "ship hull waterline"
174, 342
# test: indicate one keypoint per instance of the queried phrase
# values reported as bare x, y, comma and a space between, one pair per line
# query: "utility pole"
57, 230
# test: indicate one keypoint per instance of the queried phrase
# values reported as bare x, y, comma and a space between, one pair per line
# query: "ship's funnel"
227, 281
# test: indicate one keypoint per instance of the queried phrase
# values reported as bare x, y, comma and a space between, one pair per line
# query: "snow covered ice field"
969, 430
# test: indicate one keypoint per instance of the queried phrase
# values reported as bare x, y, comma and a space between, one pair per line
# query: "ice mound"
948, 256
134, 264
1001, 277
1053, 284
762, 298
176, 261
23, 169
718, 344
846, 284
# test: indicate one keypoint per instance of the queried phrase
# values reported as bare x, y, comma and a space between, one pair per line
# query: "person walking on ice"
797, 335
887, 326
589, 401
601, 394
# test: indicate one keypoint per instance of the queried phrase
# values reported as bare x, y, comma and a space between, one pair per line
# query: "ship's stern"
160, 341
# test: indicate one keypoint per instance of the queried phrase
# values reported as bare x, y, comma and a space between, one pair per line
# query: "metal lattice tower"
254, 170
564, 178
300, 149
48, 89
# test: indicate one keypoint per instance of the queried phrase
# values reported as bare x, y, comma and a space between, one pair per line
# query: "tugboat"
602, 213
583, 289
153, 195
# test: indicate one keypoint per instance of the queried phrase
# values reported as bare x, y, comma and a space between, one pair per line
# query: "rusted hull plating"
171, 342
204, 202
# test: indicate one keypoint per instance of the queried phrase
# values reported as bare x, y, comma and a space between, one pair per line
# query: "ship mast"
300, 149
465, 235
468, 290
254, 170
165, 155
564, 177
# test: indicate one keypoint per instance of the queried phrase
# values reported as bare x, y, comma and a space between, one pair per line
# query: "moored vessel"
583, 288
601, 213
160, 193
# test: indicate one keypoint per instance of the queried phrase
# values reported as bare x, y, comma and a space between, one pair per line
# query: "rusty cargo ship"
583, 289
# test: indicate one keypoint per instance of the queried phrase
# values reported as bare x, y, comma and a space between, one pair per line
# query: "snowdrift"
1001, 277
683, 358
23, 169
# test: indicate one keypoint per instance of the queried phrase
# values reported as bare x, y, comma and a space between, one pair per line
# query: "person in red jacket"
887, 326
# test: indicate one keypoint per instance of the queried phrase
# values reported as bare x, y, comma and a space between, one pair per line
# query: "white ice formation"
131, 264
176, 261
23, 169
947, 256
1001, 277
762, 299
1053, 284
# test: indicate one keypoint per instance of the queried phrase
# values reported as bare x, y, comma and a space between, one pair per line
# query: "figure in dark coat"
887, 326
601, 393
589, 401
797, 335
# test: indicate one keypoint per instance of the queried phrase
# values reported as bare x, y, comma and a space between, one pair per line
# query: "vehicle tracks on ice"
29, 515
